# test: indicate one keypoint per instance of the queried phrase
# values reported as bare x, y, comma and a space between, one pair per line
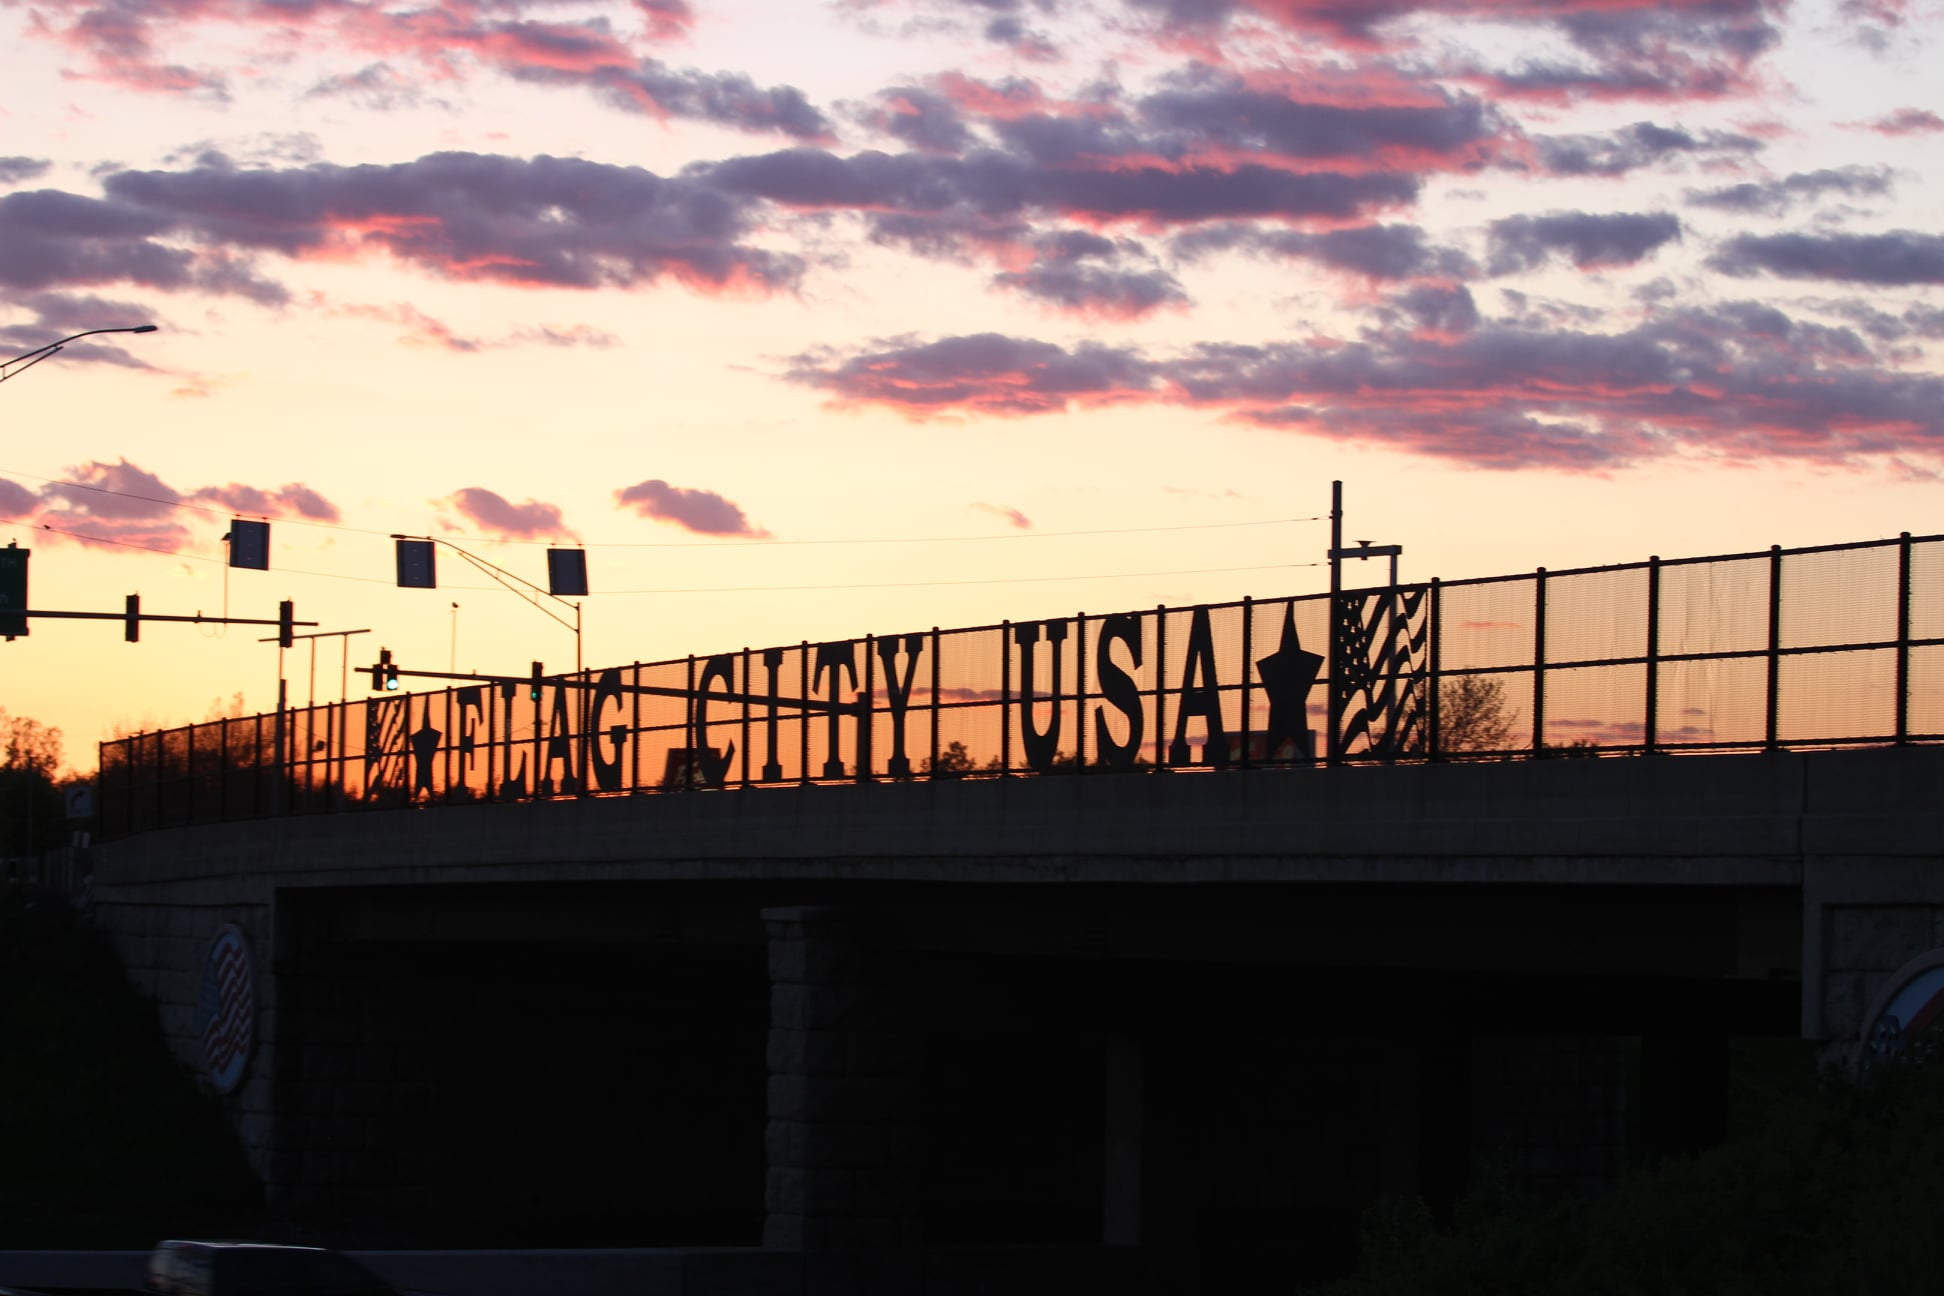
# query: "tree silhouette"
31, 811
1472, 715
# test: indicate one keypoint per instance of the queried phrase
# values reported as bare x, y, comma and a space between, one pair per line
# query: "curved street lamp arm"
39, 354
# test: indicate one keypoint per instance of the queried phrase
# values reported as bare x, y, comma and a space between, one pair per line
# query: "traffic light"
132, 618
13, 589
417, 565
286, 614
533, 689
384, 675
567, 573
249, 545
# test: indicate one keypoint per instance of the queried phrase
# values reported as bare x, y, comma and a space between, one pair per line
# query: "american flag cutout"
228, 1010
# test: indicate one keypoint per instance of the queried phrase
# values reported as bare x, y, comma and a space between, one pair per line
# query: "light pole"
31, 358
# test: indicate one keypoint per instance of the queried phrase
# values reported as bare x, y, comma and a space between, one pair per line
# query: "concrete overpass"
1197, 1013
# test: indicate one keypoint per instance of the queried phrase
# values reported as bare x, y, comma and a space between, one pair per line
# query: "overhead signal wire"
987, 580
660, 544
709, 589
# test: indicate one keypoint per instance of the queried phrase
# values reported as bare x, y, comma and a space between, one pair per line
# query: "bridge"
1185, 999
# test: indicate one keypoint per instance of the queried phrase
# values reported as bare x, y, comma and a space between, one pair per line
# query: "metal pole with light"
29, 359
345, 636
1362, 550
566, 574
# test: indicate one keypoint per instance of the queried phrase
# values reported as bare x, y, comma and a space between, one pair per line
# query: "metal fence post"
867, 710
1080, 695
1650, 727
1160, 685
690, 761
634, 730
1434, 737
932, 769
1903, 637
1005, 698
1539, 662
1248, 670
338, 711
497, 764
1774, 645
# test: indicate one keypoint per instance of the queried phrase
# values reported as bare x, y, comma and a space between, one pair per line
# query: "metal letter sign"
1379, 676
228, 1010
416, 567
249, 545
13, 590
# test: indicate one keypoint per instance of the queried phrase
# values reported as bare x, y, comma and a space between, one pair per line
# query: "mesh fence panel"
1596, 706
1596, 616
204, 777
1828, 697
1485, 713
1927, 692
971, 672
1487, 625
1927, 589
1847, 596
1722, 701
661, 754
1718, 605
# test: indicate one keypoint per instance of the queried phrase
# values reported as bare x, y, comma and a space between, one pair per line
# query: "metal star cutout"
1287, 676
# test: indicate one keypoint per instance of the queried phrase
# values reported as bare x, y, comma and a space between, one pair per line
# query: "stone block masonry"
842, 1137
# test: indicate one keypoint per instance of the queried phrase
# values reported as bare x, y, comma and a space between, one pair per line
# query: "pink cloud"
504, 520
292, 499
543, 221
1737, 382
702, 511
1011, 516
1904, 121
122, 503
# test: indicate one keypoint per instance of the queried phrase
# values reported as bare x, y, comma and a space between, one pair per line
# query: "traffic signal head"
249, 545
286, 614
533, 688
13, 590
384, 675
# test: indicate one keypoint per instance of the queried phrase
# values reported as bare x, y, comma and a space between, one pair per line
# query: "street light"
39, 354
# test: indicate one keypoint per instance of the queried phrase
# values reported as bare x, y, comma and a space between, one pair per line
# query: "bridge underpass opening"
1191, 1069
1277, 1102
471, 1085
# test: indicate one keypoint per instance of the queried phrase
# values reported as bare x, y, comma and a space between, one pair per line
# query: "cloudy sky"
816, 319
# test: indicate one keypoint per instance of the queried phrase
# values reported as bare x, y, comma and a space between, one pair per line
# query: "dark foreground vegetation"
105, 1139
1835, 1190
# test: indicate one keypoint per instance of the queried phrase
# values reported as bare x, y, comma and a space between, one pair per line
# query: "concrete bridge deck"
1053, 1010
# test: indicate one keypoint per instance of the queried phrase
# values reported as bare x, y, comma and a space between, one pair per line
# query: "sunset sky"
812, 320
